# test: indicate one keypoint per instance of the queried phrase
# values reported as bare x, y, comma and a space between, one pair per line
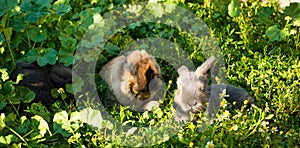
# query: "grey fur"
193, 92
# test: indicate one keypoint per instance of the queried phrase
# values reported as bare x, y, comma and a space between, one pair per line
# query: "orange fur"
129, 77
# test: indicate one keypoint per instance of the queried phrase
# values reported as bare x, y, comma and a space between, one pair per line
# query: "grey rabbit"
193, 92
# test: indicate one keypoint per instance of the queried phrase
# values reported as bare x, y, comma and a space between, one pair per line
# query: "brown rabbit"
193, 92
134, 79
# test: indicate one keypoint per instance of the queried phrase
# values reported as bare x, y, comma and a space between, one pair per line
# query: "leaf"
33, 17
2, 121
6, 140
2, 105
8, 88
4, 74
269, 117
16, 41
66, 58
112, 49
32, 55
77, 84
67, 43
92, 117
69, 88
61, 9
37, 35
43, 125
35, 9
24, 124
64, 126
61, 123
66, 52
19, 78
65, 28
7, 33
296, 22
10, 119
273, 33
284, 33
74, 138
25, 94
18, 23
75, 120
61, 117
39, 109
86, 16
294, 12
107, 124
43, 57
7, 5
26, 5
233, 8
54, 93
58, 129
264, 14
48, 56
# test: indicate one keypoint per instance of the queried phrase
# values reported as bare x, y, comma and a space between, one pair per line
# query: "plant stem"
14, 107
17, 135
12, 57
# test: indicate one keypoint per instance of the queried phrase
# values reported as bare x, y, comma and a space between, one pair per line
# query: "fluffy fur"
42, 80
134, 79
193, 92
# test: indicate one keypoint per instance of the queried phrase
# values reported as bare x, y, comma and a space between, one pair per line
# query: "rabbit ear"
182, 69
205, 67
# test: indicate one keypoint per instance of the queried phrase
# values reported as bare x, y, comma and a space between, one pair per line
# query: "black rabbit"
42, 80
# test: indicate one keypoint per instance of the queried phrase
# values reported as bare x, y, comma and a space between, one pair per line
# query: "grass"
260, 44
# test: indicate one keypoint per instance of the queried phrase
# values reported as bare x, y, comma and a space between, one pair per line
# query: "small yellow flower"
265, 125
293, 31
180, 136
287, 18
191, 144
223, 104
226, 114
235, 127
209, 144
220, 118
246, 102
234, 103
281, 132
267, 109
274, 129
60, 90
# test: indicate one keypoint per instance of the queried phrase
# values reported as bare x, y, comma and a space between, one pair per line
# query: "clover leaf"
37, 35
42, 56
233, 9
7, 5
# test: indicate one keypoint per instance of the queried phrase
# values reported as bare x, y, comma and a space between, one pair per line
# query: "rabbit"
42, 80
193, 92
134, 78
